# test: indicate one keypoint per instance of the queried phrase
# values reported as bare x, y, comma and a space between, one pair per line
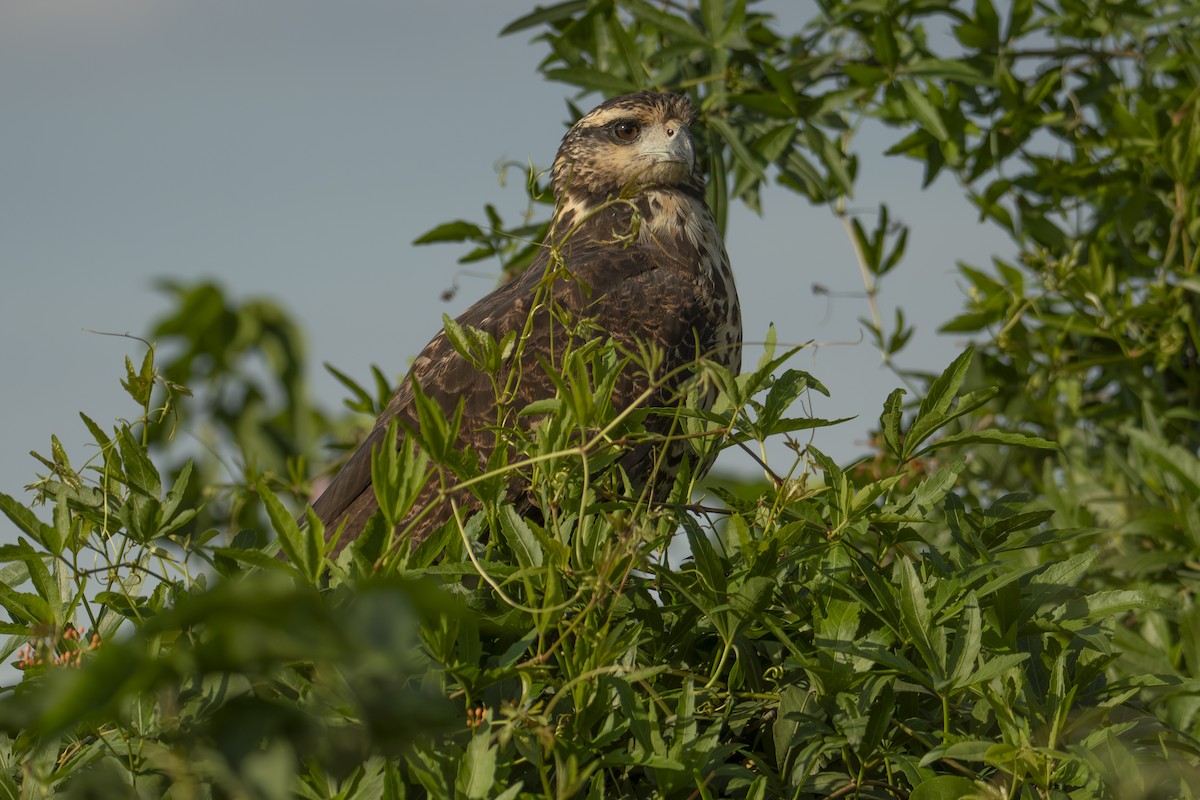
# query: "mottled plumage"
648, 268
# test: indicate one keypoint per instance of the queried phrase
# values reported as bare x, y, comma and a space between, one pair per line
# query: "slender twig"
778, 481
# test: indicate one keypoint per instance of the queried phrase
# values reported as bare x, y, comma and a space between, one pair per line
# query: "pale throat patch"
674, 215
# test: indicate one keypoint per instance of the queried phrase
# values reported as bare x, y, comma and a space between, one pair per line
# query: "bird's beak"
680, 147
674, 145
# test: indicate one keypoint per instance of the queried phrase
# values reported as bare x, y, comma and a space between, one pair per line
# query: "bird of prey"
632, 251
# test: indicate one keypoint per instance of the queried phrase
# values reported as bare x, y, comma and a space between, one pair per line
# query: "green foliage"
832, 631
251, 416
999, 601
1075, 127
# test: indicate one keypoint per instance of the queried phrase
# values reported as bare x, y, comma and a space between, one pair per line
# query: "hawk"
632, 251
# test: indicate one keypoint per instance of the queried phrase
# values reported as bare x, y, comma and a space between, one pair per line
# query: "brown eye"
626, 130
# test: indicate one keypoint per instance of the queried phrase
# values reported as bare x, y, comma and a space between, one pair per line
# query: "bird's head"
632, 140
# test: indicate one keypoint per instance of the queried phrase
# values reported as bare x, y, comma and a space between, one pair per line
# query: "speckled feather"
650, 267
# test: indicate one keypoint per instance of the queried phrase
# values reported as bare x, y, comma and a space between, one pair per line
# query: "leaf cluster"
829, 631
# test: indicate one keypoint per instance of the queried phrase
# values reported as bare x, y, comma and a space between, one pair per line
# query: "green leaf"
635, 714
433, 546
363, 401
142, 475
924, 111
785, 390
775, 142
942, 391
685, 721
740, 145
399, 473
25, 520
709, 563
667, 23
1067, 572
932, 413
97, 432
996, 666
971, 750
251, 558
967, 644
1015, 438
438, 434
879, 719
889, 421
944, 787
178, 489
839, 622
884, 38
786, 91
25, 607
593, 79
914, 614
874, 652
293, 543
543, 15
1102, 605
139, 384
457, 231
464, 340
752, 596
935, 487
947, 70
520, 537
60, 531
477, 770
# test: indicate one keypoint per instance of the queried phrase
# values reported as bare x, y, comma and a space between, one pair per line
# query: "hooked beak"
673, 145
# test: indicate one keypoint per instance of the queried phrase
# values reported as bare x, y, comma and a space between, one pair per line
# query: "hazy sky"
295, 148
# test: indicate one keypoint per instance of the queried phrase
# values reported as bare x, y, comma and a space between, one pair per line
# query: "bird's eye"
626, 130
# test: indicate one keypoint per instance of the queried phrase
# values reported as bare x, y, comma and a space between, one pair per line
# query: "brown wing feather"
444, 376
633, 296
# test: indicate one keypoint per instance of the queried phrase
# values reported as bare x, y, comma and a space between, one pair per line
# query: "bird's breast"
680, 225
675, 221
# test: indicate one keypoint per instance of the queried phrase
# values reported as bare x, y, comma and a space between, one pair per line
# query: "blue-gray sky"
295, 148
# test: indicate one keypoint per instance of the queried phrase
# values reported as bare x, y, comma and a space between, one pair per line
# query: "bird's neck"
649, 214
674, 216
